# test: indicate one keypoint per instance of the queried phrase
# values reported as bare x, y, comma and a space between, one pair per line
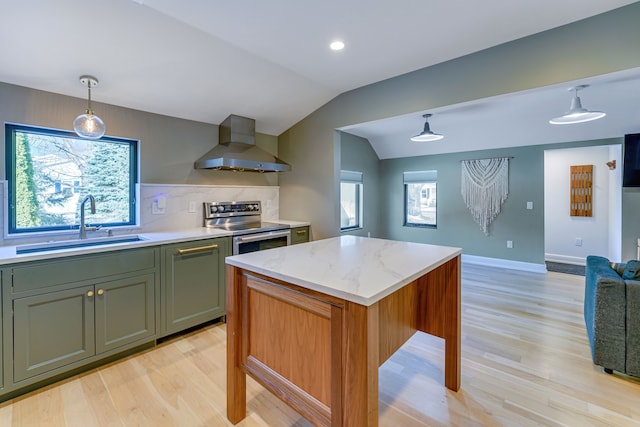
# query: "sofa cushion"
633, 328
632, 271
604, 313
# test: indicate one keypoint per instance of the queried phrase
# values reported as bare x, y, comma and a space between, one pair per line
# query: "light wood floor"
525, 362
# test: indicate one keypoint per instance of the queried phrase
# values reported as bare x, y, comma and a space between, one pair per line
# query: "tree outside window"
420, 190
51, 171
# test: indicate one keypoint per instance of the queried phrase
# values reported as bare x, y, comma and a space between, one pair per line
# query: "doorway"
570, 239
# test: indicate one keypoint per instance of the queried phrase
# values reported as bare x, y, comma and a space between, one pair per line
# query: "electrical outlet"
510, 244
529, 205
578, 241
192, 207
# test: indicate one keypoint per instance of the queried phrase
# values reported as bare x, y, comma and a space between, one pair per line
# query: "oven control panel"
229, 209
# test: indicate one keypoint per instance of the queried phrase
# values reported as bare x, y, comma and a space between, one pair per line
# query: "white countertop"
8, 253
358, 269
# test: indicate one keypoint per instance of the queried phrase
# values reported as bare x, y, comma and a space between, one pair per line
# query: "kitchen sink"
76, 243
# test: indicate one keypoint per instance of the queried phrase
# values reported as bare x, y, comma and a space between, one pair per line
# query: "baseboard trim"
564, 259
505, 263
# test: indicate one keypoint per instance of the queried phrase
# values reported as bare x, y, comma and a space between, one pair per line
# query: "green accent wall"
595, 46
356, 154
456, 226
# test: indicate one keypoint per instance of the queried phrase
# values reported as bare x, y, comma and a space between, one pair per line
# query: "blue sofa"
612, 314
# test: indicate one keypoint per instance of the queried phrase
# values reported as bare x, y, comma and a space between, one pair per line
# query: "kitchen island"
313, 322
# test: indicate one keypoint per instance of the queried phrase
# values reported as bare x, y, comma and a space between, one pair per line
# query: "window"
420, 198
51, 171
350, 200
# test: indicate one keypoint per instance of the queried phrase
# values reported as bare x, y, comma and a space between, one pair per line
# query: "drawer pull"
301, 231
190, 251
100, 291
90, 294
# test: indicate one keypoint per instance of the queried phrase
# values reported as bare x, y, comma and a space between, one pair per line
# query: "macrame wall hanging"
485, 186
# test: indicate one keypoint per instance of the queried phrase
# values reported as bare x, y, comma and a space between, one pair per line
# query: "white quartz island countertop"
358, 269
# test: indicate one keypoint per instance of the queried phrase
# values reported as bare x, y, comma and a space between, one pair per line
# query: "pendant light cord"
89, 110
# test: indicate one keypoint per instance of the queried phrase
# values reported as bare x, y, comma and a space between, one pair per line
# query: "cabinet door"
125, 311
193, 285
52, 330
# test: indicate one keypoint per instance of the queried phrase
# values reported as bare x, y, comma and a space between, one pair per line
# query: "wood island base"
320, 354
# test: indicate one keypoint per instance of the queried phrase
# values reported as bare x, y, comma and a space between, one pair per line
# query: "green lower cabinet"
65, 313
299, 235
60, 328
193, 283
124, 311
52, 330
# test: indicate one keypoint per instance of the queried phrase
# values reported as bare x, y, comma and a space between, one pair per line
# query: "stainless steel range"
244, 221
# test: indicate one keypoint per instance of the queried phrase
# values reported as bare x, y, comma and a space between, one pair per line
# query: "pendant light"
88, 125
576, 113
426, 134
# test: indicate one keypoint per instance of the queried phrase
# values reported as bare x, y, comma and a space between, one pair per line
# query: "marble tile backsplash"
178, 198
176, 214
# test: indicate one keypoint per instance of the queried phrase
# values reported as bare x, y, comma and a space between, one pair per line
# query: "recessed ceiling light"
336, 45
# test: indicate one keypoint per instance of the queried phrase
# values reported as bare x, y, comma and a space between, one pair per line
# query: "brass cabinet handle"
90, 294
301, 231
100, 291
189, 251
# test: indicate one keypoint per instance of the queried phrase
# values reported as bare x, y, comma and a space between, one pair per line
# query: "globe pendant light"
426, 134
577, 114
88, 125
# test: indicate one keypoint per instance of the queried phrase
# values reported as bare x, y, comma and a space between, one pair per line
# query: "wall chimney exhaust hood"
237, 149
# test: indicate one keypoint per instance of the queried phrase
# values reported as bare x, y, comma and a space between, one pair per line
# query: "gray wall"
356, 154
599, 45
168, 146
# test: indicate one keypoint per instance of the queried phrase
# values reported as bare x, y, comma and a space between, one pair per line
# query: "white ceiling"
205, 59
513, 120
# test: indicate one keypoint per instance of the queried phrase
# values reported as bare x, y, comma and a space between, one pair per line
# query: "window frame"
10, 224
419, 177
353, 177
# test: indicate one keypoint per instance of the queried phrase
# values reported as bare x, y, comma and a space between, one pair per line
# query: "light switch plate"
161, 202
529, 205
158, 205
192, 207
155, 210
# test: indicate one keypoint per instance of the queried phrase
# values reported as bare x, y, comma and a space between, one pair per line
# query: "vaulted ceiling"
269, 60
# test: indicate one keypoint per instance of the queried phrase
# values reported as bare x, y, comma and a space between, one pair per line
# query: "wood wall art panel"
581, 197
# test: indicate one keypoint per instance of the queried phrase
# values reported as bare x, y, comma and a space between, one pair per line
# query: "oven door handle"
262, 236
